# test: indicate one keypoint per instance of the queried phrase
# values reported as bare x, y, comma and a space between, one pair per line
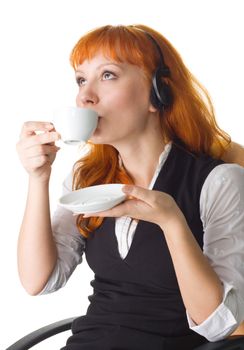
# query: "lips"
98, 121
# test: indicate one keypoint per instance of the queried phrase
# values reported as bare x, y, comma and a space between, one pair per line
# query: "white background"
36, 38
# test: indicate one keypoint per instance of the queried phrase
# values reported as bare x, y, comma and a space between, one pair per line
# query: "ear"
152, 109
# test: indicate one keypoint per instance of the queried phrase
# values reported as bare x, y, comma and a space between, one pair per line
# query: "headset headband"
161, 94
165, 72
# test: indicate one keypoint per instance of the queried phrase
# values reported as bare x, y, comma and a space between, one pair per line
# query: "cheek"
77, 100
123, 101
129, 97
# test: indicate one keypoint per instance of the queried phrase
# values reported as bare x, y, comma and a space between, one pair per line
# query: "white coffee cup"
75, 124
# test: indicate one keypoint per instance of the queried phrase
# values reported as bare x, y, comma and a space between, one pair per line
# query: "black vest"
141, 291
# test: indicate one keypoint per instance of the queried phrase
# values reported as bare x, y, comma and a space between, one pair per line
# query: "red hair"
190, 119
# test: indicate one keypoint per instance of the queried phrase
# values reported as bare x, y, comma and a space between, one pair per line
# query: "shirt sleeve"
222, 214
69, 242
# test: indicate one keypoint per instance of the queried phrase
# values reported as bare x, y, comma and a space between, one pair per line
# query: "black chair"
52, 329
41, 334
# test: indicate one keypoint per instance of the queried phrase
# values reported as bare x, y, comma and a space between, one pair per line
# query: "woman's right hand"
37, 151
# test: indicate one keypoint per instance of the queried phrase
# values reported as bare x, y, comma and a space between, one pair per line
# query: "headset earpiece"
161, 95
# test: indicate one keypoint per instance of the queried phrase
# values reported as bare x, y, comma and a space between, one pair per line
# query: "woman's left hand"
143, 204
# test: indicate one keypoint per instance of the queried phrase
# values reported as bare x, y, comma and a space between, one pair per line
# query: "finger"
38, 162
105, 213
138, 192
30, 127
117, 211
39, 150
44, 138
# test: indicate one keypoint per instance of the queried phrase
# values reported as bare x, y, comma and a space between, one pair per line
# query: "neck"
140, 160
140, 151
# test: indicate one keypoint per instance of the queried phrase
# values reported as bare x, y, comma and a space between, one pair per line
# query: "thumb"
137, 192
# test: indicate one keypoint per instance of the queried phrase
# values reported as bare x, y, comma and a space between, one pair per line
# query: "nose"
86, 97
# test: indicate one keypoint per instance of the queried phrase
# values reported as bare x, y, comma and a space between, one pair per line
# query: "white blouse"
222, 215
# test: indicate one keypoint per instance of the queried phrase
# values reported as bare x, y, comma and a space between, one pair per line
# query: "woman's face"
119, 93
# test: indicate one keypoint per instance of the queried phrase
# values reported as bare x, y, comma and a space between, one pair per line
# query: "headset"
161, 96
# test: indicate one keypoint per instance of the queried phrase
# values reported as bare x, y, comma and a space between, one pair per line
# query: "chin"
99, 140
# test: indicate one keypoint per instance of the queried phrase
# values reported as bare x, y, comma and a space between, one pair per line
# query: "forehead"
100, 61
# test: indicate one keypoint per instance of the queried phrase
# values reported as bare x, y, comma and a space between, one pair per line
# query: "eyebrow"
102, 65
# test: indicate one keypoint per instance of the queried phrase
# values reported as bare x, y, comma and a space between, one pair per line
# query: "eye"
80, 81
107, 75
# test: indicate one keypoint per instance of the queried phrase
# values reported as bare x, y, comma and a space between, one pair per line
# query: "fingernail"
127, 188
49, 126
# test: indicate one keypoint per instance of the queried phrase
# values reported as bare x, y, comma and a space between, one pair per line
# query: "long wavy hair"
190, 119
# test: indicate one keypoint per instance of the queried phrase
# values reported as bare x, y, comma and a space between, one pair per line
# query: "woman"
168, 261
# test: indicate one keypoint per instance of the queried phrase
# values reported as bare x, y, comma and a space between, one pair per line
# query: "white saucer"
93, 199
